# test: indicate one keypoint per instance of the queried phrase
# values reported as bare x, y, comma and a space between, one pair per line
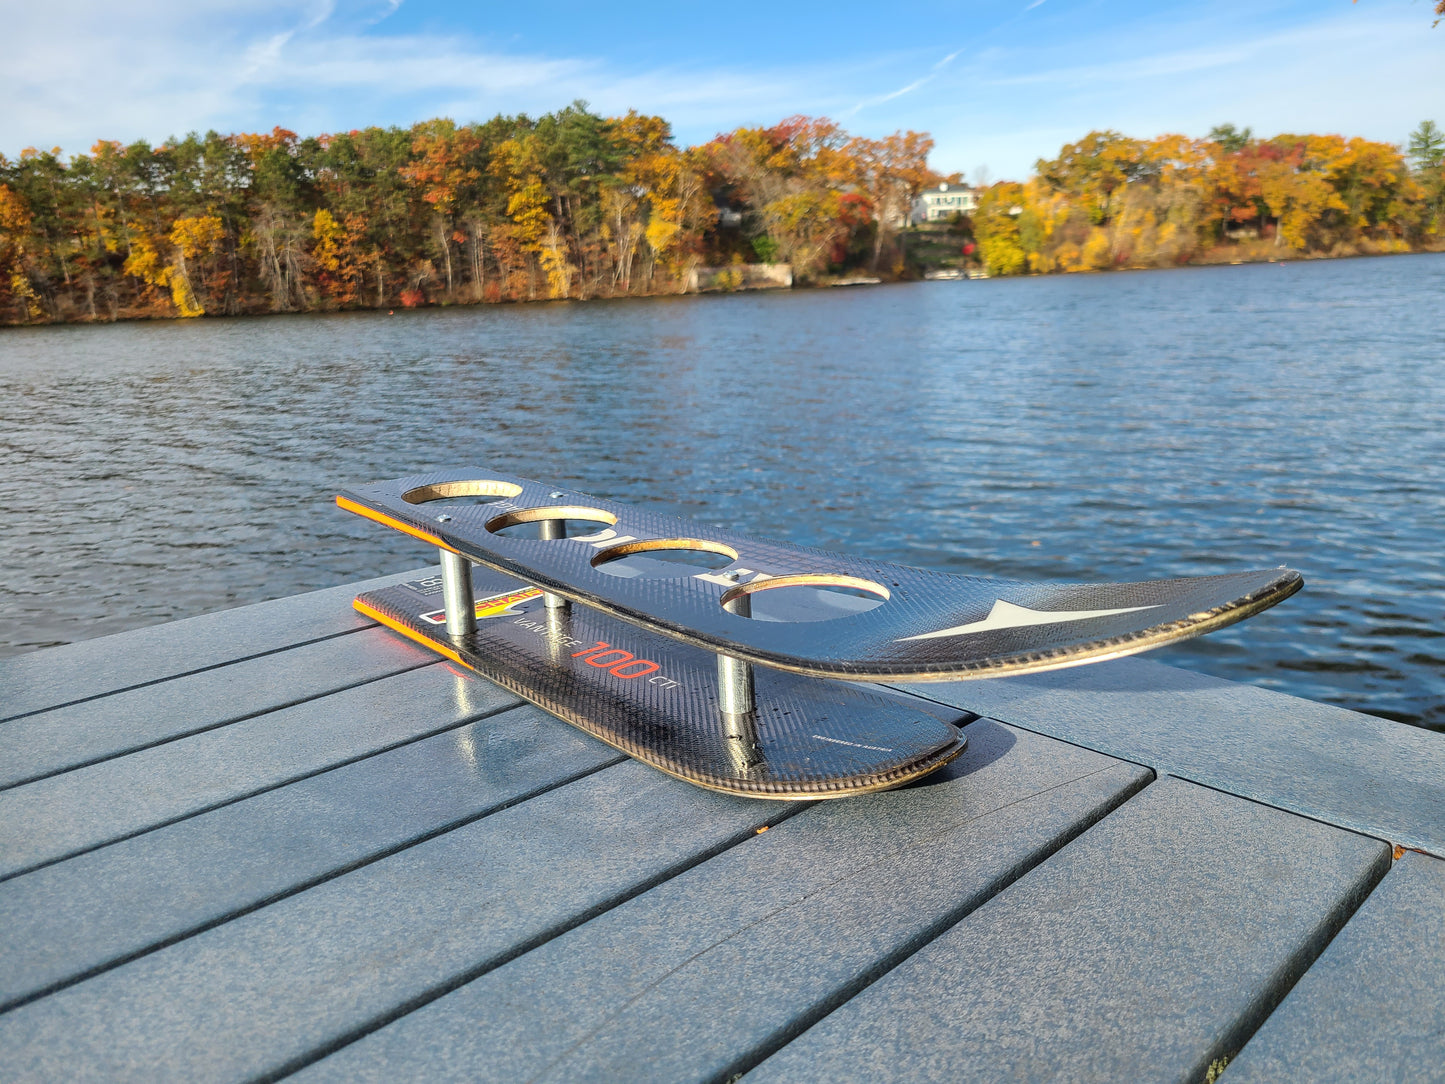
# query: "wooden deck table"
281, 841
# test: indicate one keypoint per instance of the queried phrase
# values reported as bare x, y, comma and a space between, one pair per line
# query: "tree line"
567, 205
576, 205
1112, 201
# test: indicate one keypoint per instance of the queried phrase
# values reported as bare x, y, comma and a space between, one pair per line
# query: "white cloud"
244, 67
1370, 73
74, 71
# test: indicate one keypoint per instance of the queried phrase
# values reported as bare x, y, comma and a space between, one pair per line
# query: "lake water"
1122, 426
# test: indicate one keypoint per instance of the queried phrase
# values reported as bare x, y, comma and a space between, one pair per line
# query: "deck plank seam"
451, 725
1233, 1039
313, 882
1379, 837
765, 1049
187, 673
1376, 832
949, 918
1111, 754
416, 665
456, 981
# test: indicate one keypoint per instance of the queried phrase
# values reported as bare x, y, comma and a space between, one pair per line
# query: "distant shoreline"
1223, 258
811, 286
578, 206
149, 317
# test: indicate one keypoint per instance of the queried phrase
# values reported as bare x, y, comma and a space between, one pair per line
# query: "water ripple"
1079, 428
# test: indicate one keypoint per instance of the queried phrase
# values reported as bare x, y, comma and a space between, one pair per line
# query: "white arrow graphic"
1005, 615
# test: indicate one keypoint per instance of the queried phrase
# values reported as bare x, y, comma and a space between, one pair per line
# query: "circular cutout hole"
554, 521
664, 558
480, 491
804, 598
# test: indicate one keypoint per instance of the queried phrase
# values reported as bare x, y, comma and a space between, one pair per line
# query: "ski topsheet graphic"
654, 592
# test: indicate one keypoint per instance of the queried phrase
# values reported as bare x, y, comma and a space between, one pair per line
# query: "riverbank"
1231, 254
947, 250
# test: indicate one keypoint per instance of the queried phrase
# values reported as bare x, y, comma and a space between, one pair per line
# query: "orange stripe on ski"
387, 521
411, 634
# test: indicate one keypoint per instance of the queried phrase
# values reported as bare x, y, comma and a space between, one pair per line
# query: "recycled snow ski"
658, 658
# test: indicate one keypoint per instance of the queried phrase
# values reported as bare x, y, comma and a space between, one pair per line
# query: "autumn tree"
793, 176
658, 201
360, 179
517, 164
628, 200
996, 225
446, 169
16, 239
338, 254
195, 240
1094, 171
891, 172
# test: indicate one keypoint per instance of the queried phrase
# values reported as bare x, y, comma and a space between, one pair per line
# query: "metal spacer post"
734, 676
457, 594
550, 529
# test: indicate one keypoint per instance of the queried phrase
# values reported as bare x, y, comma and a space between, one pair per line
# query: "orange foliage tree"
572, 204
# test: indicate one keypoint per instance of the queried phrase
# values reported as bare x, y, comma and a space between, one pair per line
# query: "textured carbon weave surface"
808, 738
898, 640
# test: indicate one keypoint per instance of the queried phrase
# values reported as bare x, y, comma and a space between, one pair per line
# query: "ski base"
657, 699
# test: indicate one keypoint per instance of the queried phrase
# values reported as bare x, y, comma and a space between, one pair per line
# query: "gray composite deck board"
701, 973
410, 874
66, 814
1372, 1009
71, 918
283, 984
49, 742
1355, 771
64, 675
1146, 949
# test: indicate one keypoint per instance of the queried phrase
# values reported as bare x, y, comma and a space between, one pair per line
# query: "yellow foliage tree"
518, 164
527, 207
794, 175
143, 262
193, 238
552, 254
329, 237
1097, 254
676, 204
335, 249
1298, 199
996, 226
16, 223
891, 172
197, 236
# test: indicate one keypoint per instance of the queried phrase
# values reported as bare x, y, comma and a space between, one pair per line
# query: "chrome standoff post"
457, 595
549, 529
735, 700
734, 676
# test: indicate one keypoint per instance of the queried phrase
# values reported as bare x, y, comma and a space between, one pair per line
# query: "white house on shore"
945, 201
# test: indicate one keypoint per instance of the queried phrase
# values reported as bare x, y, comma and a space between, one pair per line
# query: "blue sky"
998, 84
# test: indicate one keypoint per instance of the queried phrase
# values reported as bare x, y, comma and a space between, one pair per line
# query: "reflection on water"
1101, 427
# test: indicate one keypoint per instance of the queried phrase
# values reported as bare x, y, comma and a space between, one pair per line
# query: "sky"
997, 84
